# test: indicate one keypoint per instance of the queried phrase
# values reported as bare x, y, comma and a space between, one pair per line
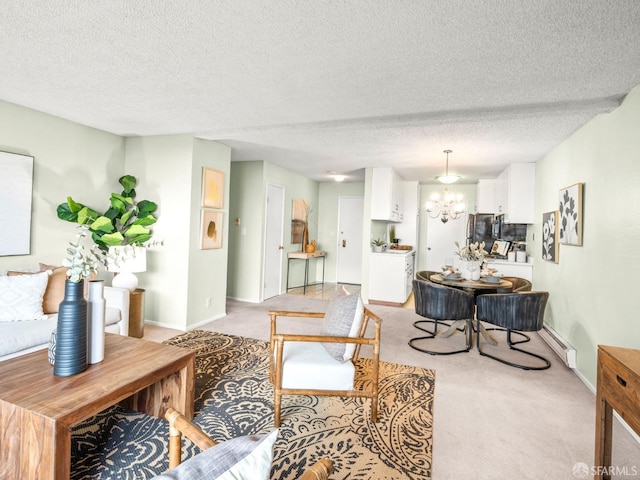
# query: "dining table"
474, 287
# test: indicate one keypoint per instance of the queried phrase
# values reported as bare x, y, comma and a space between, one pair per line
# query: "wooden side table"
305, 256
136, 313
618, 389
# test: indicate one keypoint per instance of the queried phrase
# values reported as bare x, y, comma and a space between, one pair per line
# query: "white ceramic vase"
469, 269
96, 306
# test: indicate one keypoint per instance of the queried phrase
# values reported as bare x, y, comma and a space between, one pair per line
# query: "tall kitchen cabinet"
387, 195
515, 193
512, 194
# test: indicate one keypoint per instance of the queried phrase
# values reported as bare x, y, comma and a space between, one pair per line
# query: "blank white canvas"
16, 186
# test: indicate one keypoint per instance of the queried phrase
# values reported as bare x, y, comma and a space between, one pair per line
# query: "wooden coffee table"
38, 409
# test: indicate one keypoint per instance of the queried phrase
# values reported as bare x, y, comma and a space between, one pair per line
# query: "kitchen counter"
393, 251
513, 269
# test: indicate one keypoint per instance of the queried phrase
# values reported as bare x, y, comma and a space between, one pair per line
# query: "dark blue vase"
71, 338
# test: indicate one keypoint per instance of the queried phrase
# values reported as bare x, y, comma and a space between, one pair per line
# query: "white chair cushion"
308, 365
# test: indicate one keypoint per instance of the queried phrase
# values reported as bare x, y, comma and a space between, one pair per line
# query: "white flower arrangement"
80, 261
471, 252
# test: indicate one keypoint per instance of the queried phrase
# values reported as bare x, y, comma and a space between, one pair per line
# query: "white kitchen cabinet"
391, 276
515, 193
407, 231
387, 195
486, 196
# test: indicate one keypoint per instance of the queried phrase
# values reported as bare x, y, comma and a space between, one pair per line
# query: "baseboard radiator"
559, 345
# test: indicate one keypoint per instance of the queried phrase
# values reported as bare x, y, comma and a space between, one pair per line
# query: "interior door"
273, 242
350, 218
441, 238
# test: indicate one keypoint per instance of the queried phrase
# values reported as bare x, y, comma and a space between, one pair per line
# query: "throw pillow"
21, 296
54, 293
339, 320
242, 458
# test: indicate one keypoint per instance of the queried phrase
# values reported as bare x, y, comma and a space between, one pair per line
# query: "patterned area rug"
234, 397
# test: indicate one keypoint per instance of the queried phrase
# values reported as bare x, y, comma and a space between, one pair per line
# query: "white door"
350, 218
273, 247
441, 238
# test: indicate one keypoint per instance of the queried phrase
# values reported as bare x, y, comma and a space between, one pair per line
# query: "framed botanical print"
211, 230
570, 215
212, 188
550, 236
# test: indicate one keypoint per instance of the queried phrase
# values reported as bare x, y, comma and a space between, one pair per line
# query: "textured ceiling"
319, 85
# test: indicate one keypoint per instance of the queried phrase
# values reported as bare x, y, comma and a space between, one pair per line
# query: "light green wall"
74, 160
180, 276
327, 234
245, 276
163, 167
592, 299
207, 268
69, 160
246, 203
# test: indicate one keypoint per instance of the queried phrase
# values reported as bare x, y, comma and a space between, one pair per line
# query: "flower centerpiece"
470, 258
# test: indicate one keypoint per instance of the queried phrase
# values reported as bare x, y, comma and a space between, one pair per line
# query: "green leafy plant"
378, 242
125, 222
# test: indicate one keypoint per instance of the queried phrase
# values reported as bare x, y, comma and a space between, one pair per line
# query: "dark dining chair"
514, 313
519, 285
425, 275
441, 305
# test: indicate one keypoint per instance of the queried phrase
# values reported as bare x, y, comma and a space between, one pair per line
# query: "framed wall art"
16, 192
570, 215
212, 188
211, 230
550, 245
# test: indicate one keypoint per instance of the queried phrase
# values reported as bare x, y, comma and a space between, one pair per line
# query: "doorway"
350, 218
273, 241
441, 238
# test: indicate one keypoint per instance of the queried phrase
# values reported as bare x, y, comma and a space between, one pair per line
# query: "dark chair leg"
432, 334
511, 346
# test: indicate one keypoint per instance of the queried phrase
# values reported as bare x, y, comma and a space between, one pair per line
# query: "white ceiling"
324, 85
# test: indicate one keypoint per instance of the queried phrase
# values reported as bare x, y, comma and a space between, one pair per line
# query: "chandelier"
451, 205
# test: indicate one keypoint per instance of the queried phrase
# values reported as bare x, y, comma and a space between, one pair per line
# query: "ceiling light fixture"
446, 178
452, 205
336, 176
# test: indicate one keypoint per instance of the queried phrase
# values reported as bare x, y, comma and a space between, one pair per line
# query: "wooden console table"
38, 409
618, 389
306, 257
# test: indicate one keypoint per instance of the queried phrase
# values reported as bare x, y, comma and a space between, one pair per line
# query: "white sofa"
18, 337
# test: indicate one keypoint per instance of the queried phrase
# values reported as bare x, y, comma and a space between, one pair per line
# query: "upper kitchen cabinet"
515, 193
486, 196
387, 195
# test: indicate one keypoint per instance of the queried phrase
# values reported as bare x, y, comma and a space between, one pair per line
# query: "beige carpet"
234, 397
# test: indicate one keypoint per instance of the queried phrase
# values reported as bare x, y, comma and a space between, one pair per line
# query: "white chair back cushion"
343, 318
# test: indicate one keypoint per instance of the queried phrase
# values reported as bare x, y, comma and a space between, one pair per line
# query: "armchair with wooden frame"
301, 365
179, 425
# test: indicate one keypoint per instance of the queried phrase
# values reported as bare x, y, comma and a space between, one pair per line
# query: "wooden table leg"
604, 423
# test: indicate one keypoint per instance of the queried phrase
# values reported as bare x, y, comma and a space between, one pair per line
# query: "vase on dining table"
469, 269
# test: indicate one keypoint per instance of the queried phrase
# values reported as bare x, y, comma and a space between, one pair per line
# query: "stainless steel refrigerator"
481, 227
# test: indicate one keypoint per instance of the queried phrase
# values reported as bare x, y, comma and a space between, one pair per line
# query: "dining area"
491, 312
